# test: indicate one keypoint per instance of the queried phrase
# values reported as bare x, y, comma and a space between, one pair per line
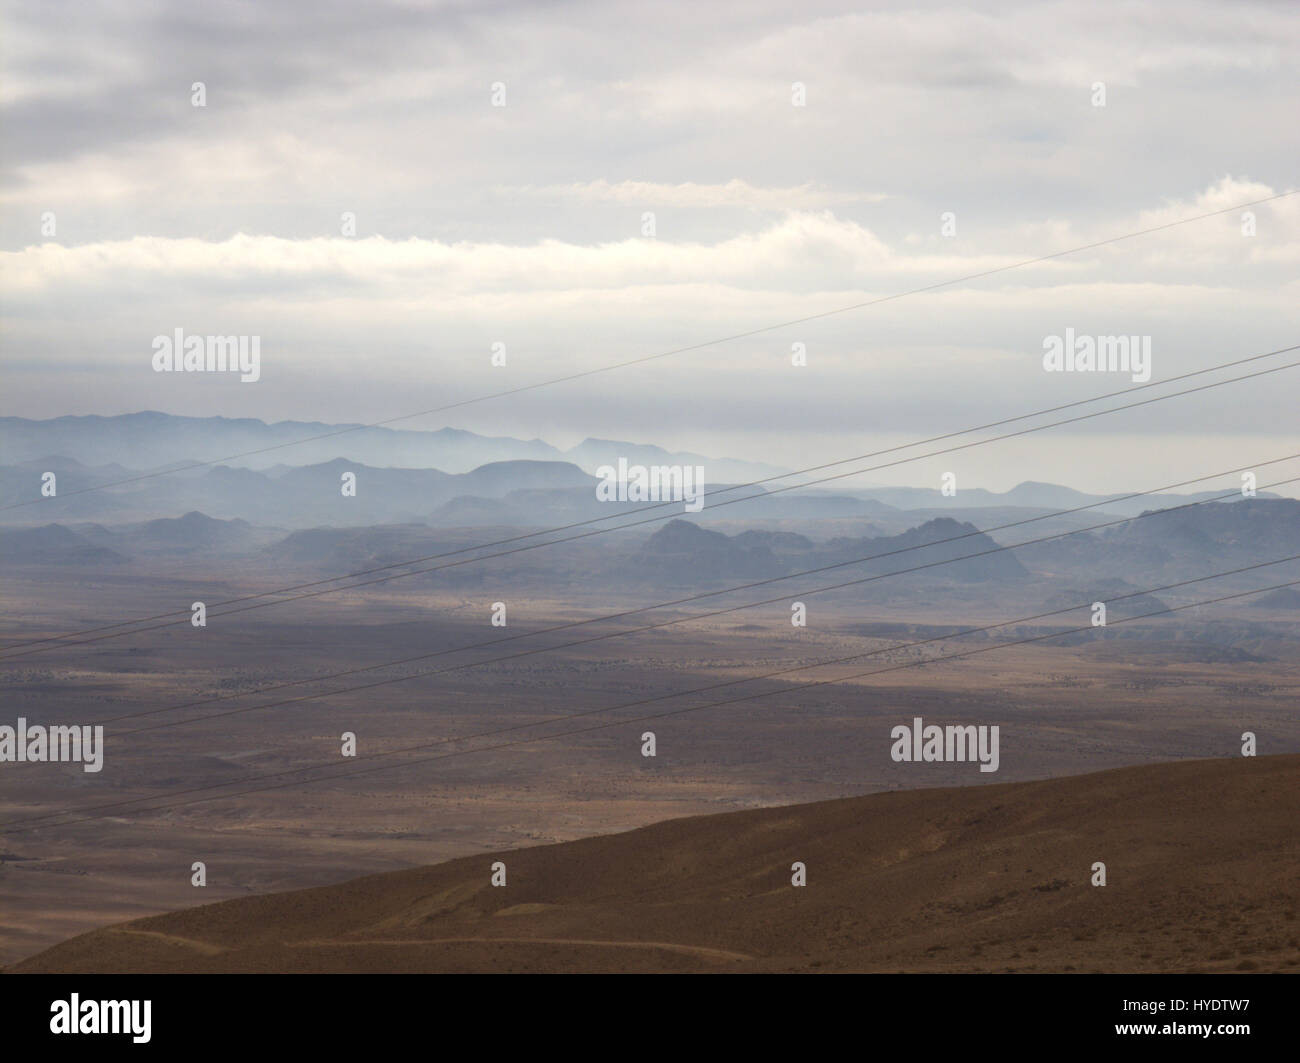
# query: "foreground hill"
1201, 858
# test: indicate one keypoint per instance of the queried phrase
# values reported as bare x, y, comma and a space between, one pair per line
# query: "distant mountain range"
150, 440
698, 553
1030, 495
117, 470
1110, 565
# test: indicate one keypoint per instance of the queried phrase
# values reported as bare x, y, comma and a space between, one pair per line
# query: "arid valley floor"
1201, 854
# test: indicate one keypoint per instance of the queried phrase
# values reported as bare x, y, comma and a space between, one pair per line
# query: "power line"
662, 505
651, 608
678, 350
26, 825
54, 642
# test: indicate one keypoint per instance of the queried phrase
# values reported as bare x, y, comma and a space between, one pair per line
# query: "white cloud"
802, 252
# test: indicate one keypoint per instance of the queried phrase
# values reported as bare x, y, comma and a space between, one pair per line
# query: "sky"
592, 183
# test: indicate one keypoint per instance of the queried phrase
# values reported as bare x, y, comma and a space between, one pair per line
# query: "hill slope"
1201, 858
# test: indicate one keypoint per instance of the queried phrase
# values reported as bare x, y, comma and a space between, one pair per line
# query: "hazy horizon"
905, 476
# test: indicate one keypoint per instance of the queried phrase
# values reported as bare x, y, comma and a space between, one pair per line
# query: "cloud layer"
527, 224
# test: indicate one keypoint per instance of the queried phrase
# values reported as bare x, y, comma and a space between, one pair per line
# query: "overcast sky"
523, 224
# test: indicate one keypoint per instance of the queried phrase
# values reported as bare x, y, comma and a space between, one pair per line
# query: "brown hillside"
1202, 859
